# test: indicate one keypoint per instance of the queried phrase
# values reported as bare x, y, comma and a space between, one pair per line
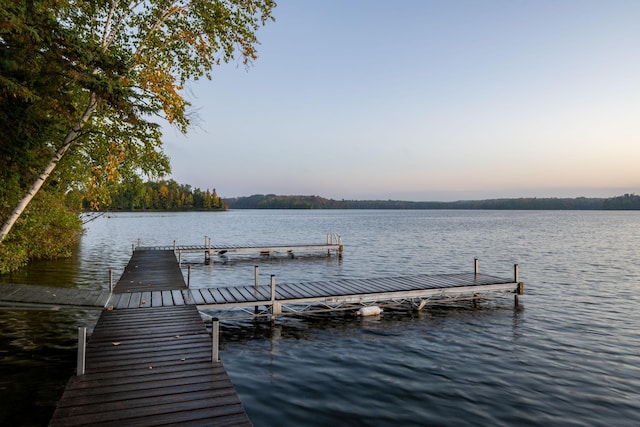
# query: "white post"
110, 280
273, 288
256, 270
515, 273
476, 268
215, 339
179, 257
189, 276
82, 349
275, 306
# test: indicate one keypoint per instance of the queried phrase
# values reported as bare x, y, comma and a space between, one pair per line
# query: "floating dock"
138, 288
151, 360
333, 245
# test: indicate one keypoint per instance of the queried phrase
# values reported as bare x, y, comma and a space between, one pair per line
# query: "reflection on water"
37, 358
568, 355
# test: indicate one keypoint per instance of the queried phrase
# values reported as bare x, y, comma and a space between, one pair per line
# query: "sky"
424, 100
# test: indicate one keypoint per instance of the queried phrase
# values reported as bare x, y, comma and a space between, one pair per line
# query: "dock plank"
178, 299
207, 296
218, 298
258, 293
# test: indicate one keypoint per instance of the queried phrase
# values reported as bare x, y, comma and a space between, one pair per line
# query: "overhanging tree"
92, 76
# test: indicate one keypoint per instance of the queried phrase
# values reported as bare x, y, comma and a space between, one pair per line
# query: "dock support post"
174, 246
476, 267
82, 350
215, 339
189, 276
133, 248
111, 280
138, 242
520, 285
256, 270
179, 258
275, 306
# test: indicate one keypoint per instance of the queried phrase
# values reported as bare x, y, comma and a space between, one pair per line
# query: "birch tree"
118, 65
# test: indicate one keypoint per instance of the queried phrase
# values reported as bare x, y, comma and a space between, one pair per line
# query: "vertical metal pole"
189, 276
518, 290
82, 349
179, 257
256, 274
215, 339
110, 280
256, 271
174, 246
275, 306
273, 288
133, 248
476, 268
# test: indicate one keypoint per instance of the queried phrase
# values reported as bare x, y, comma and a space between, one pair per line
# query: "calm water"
568, 355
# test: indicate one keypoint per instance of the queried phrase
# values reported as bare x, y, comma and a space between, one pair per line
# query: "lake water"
568, 355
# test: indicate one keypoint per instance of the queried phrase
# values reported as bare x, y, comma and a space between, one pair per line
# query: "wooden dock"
333, 245
150, 366
166, 288
350, 294
31, 296
150, 359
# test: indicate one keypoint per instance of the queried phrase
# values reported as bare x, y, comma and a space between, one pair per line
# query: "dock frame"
333, 245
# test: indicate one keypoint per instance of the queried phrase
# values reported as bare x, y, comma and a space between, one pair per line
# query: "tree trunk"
35, 187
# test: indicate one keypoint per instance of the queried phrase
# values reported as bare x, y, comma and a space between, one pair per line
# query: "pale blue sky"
425, 100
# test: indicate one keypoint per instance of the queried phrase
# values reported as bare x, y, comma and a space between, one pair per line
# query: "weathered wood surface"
329, 293
151, 271
351, 291
150, 366
16, 295
333, 292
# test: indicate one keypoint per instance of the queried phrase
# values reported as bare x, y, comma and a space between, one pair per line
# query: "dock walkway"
138, 288
151, 366
150, 360
333, 245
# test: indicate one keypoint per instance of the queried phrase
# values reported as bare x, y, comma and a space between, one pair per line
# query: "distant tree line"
624, 202
272, 201
134, 194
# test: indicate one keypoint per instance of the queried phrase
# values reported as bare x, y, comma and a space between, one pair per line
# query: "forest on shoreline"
272, 201
171, 196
